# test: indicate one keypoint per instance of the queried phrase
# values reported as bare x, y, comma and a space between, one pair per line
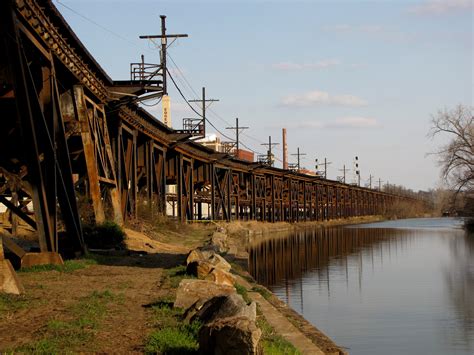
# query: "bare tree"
456, 157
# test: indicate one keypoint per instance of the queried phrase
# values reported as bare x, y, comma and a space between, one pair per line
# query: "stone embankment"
212, 299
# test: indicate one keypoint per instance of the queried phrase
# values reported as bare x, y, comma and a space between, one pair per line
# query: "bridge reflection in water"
368, 287
289, 257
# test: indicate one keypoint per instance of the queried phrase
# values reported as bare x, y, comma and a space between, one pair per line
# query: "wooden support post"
213, 191
191, 190
253, 212
179, 187
228, 192
89, 153
273, 204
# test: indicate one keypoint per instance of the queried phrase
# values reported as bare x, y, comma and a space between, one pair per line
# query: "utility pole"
370, 181
285, 149
164, 44
203, 102
326, 163
298, 154
237, 129
344, 173
380, 184
165, 101
269, 151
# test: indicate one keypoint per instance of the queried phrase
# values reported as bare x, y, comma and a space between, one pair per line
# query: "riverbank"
85, 304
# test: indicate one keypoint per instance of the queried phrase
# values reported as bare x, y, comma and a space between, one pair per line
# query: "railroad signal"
356, 169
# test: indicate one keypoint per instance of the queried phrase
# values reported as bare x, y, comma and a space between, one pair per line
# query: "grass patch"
61, 336
241, 290
263, 291
172, 336
171, 341
175, 275
68, 266
11, 303
273, 343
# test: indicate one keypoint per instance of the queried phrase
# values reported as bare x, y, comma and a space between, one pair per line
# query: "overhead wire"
119, 36
192, 108
185, 83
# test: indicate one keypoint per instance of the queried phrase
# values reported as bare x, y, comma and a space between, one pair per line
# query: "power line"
269, 153
98, 25
164, 45
183, 76
203, 101
298, 154
192, 108
237, 132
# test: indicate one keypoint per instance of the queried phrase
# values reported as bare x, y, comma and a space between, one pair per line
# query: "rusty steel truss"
69, 133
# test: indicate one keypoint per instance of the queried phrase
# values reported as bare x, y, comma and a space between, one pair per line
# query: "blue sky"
345, 78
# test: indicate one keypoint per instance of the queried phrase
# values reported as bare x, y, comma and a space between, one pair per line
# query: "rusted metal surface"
65, 136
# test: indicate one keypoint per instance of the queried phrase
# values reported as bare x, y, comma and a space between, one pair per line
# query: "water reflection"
459, 278
367, 288
281, 259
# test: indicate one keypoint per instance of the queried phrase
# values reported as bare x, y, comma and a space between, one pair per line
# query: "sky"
346, 78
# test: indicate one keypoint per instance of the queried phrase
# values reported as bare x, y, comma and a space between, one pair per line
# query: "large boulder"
219, 262
199, 268
219, 241
199, 254
232, 305
191, 291
221, 277
230, 336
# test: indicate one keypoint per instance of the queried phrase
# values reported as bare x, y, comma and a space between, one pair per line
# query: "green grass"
273, 343
172, 336
172, 341
175, 275
12, 303
61, 336
241, 290
263, 291
67, 267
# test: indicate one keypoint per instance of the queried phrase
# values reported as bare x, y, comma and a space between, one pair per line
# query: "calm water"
398, 287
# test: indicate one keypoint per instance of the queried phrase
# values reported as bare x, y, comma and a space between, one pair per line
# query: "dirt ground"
120, 324
102, 304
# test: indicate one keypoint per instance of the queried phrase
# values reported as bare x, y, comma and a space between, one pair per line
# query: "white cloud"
322, 64
312, 98
350, 122
439, 7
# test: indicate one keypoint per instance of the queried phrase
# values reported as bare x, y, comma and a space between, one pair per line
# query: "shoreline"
241, 235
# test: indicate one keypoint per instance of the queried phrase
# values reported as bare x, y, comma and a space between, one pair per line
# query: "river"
395, 287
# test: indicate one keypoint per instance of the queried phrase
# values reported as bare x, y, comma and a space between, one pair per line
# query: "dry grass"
168, 230
407, 209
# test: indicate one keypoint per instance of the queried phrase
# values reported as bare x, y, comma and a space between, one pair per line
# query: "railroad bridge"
69, 132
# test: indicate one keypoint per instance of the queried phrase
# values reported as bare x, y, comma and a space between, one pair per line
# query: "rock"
221, 277
199, 254
229, 336
190, 291
219, 241
199, 268
194, 255
219, 262
232, 305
